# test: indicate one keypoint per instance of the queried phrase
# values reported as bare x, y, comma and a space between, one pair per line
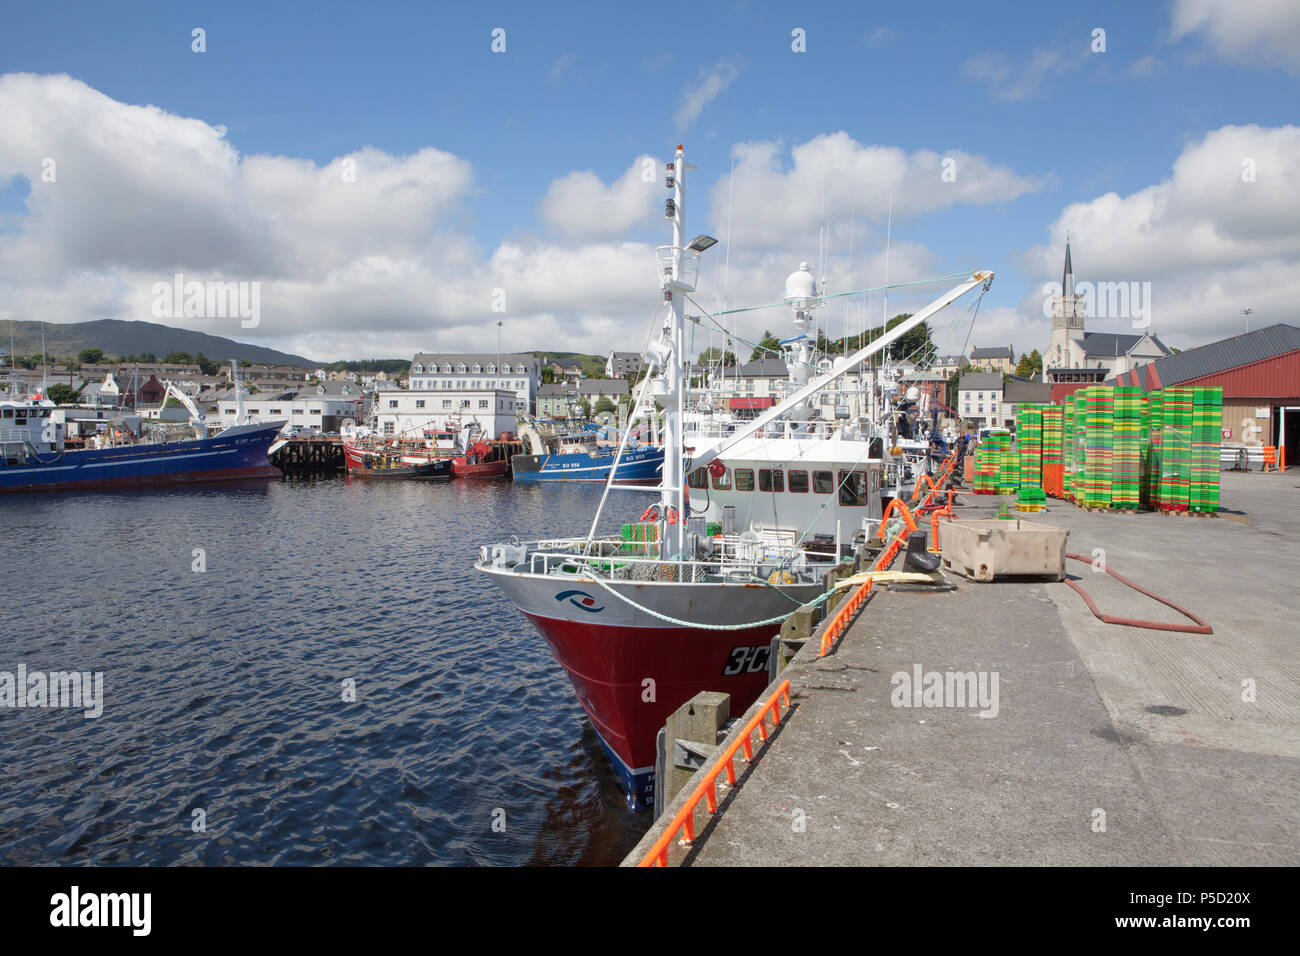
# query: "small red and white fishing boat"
481, 459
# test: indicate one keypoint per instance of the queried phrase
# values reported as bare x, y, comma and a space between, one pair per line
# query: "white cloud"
710, 83
773, 201
580, 205
1257, 33
384, 266
1145, 66
561, 66
1210, 243
1010, 81
381, 265
879, 37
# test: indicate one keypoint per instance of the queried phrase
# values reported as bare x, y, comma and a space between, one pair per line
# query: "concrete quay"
1108, 744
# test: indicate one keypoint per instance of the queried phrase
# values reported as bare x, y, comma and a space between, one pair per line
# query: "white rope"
712, 627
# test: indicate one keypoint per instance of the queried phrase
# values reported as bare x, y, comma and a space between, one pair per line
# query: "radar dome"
801, 288
913, 393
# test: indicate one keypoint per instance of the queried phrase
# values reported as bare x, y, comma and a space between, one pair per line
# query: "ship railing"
733, 559
787, 428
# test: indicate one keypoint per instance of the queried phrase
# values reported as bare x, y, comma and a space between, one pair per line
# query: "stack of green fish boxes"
1126, 458
1096, 403
986, 466
1144, 474
1067, 449
1053, 424
1171, 476
1029, 444
1008, 477
1154, 448
1207, 419
991, 463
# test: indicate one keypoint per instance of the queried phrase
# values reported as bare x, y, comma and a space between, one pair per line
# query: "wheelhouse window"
823, 482
771, 479
722, 482
799, 482
744, 479
853, 488
699, 478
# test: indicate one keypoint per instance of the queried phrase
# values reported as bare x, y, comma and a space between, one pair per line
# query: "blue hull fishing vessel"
33, 456
637, 467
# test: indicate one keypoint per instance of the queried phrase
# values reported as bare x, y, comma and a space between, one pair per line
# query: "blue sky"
593, 87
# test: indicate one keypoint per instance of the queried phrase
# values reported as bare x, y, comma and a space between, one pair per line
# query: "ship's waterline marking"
48, 690
953, 689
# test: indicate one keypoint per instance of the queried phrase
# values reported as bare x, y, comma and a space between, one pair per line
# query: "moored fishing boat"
34, 457
557, 453
643, 621
481, 460
393, 464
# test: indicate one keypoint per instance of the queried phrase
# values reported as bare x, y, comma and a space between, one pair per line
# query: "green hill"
117, 337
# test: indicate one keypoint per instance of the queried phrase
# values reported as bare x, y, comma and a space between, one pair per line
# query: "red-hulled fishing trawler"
643, 622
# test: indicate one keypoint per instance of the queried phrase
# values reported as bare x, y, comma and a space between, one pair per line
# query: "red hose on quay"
1201, 628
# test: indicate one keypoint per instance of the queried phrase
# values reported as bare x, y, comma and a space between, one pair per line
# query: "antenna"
884, 317
853, 219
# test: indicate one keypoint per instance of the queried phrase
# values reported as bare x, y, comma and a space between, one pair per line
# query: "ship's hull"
630, 670
462, 468
237, 453
640, 466
435, 470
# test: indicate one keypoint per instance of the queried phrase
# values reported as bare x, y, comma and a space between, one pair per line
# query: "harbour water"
225, 736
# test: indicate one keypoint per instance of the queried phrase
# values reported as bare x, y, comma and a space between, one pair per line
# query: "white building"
318, 413
979, 399
624, 364
411, 412
519, 372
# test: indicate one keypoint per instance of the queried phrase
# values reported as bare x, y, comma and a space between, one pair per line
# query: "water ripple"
224, 690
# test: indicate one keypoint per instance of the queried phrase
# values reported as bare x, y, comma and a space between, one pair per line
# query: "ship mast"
679, 267
667, 388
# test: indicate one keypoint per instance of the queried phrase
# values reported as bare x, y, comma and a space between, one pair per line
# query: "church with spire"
1078, 356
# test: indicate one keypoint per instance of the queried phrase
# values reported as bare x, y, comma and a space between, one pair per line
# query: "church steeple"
1067, 277
1067, 321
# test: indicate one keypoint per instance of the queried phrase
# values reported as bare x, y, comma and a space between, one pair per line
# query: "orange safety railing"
896, 504
707, 789
916, 492
944, 512
843, 616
